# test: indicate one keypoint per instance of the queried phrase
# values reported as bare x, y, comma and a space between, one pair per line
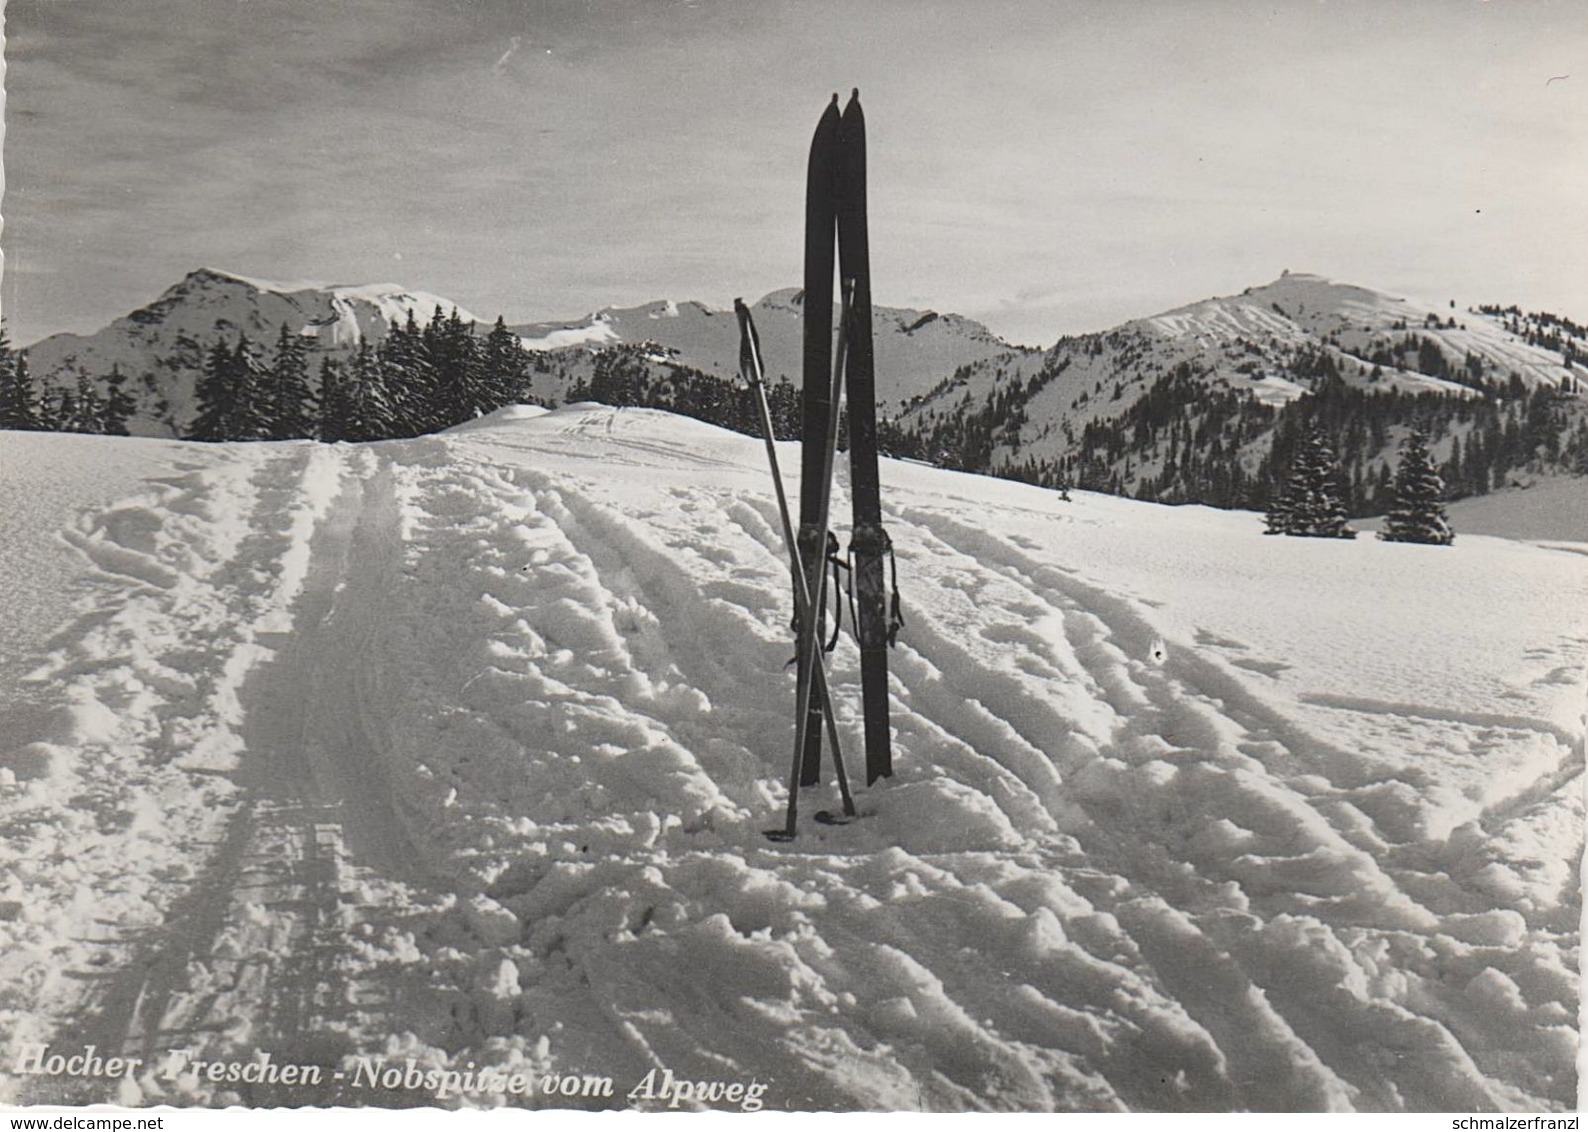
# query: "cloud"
1054, 152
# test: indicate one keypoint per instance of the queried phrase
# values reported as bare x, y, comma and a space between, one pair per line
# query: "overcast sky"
1047, 166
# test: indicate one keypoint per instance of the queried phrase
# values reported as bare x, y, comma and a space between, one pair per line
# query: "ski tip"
854, 94
779, 835
831, 118
835, 98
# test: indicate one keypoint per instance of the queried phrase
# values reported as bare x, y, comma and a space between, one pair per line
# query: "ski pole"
751, 368
808, 630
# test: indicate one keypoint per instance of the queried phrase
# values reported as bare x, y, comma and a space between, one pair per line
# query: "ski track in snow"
460, 749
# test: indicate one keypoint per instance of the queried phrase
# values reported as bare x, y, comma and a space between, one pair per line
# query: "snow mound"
503, 416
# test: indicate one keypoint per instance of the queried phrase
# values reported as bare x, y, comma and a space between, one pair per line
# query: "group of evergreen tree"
1185, 440
1312, 501
640, 375
416, 380
81, 408
1196, 436
243, 397
1182, 440
1542, 329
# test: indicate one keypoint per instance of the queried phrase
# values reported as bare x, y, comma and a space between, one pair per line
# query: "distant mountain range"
1096, 409
915, 349
1187, 404
159, 347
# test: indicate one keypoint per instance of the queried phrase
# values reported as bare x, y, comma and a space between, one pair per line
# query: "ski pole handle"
750, 367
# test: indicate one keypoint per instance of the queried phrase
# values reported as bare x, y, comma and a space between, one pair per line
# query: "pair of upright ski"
835, 213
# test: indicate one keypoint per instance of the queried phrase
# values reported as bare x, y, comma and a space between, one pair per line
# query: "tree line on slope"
642, 375
1310, 499
81, 408
417, 379
1544, 330
1187, 439
1184, 440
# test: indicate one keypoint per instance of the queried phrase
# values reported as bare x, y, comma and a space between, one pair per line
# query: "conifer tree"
81, 409
461, 389
19, 403
119, 405
90, 407
505, 368
1418, 514
62, 411
253, 397
370, 412
407, 379
291, 401
217, 416
333, 403
1312, 502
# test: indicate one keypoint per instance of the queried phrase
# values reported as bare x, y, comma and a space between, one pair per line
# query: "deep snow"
459, 749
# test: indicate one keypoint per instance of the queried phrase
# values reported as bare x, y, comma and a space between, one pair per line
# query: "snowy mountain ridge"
915, 349
1189, 404
1119, 409
356, 309
1298, 308
160, 345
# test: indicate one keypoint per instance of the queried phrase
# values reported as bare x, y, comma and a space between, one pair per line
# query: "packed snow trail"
470, 762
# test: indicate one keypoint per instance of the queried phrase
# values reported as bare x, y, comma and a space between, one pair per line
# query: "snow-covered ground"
459, 751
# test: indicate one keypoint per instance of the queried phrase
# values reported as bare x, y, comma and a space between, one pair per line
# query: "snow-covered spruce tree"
1280, 517
1419, 513
1312, 502
407, 380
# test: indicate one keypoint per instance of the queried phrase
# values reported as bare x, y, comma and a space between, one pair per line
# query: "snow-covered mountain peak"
1355, 324
915, 350
216, 275
395, 302
1290, 308
160, 344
